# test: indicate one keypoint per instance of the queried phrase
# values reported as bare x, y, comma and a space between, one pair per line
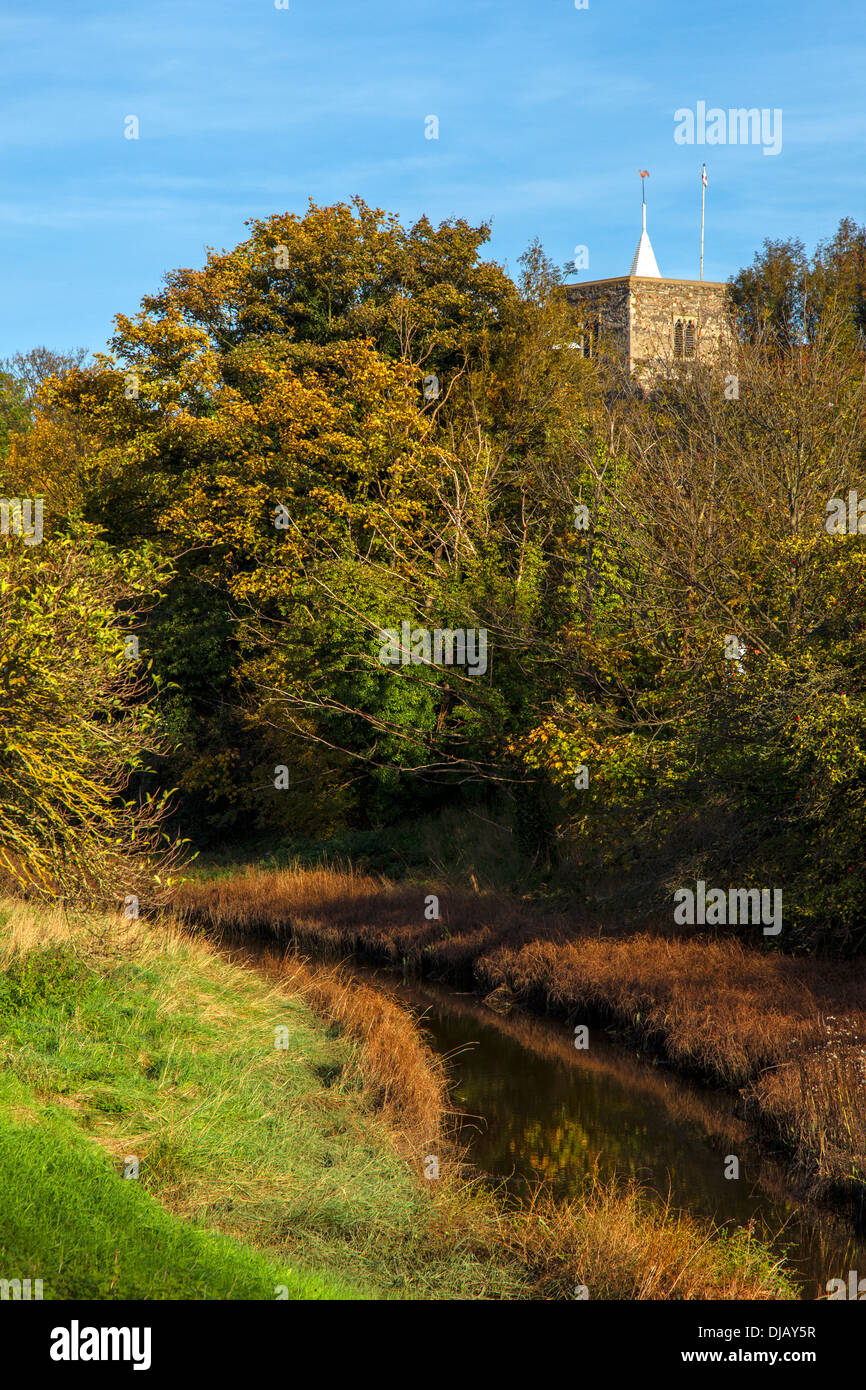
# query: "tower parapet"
654, 325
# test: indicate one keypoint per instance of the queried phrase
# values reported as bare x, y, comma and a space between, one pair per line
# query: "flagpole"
703, 197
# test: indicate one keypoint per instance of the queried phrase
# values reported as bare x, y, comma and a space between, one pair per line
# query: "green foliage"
290, 373
98, 1237
75, 723
259, 1166
337, 273
14, 414
784, 293
33, 985
713, 528
278, 443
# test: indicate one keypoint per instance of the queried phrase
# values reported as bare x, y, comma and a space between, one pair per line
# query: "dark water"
534, 1108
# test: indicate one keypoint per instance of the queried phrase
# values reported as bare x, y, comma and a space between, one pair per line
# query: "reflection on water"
533, 1107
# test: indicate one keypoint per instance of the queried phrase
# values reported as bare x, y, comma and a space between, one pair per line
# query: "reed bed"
786, 1033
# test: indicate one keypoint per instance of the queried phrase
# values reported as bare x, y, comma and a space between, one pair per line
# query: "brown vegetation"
394, 1068
618, 1241
620, 1244
788, 1033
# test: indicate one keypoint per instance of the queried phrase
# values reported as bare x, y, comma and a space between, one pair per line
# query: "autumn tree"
77, 725
784, 294
338, 425
716, 694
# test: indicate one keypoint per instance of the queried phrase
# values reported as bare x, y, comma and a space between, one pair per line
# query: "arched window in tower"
689, 350
678, 338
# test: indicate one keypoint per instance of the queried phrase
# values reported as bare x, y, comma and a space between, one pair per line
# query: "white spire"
644, 262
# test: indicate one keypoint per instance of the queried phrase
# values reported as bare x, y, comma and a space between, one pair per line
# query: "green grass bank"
278, 1123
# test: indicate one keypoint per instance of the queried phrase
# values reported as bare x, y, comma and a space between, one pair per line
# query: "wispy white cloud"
546, 114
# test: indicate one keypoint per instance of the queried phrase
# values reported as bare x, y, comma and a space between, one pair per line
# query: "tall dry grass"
393, 1066
787, 1033
617, 1241
620, 1245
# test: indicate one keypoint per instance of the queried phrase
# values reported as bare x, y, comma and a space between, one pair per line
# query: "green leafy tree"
314, 368
784, 294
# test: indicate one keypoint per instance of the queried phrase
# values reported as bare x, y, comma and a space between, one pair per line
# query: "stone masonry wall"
637, 316
656, 306
605, 305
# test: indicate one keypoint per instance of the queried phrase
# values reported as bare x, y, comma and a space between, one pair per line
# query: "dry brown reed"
788, 1033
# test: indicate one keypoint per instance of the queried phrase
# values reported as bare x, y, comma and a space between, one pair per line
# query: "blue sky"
546, 113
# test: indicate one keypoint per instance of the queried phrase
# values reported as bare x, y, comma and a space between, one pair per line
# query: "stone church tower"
654, 325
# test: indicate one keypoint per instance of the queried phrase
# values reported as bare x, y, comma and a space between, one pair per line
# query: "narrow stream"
532, 1108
